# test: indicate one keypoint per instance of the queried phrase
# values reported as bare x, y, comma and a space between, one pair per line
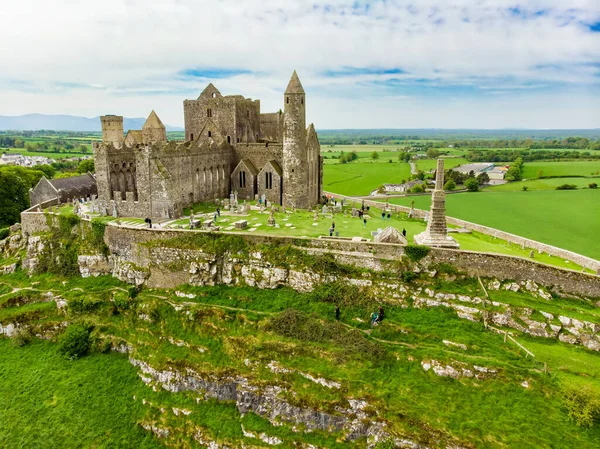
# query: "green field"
48, 401
358, 178
48, 154
564, 168
543, 184
567, 219
428, 165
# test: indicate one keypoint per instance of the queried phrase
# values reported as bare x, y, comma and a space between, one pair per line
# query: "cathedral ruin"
229, 146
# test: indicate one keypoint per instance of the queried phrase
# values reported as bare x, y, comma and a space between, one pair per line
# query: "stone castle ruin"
229, 146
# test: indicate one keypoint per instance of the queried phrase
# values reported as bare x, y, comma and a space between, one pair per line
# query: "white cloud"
129, 54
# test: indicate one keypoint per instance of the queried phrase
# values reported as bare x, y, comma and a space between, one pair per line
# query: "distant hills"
34, 122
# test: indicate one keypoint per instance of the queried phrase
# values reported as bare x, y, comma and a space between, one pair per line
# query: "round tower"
295, 172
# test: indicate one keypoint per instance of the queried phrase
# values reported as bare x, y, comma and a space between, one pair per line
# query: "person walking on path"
374, 319
219, 211
364, 222
380, 315
337, 313
331, 231
389, 216
404, 232
383, 215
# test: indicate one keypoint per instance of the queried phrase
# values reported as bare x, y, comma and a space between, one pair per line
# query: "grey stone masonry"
436, 234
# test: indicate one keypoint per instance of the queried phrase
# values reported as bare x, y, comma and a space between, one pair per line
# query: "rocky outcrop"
93, 265
266, 401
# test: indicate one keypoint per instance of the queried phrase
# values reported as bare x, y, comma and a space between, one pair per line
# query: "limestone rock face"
93, 265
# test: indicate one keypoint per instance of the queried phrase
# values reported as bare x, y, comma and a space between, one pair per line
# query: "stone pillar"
436, 234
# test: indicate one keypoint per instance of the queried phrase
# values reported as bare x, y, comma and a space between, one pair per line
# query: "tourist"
331, 231
333, 225
404, 232
337, 313
383, 215
215, 217
389, 216
380, 315
374, 319
219, 211
364, 222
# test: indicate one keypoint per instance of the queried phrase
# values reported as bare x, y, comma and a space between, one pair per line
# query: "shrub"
417, 189
409, 276
525, 188
583, 405
84, 305
450, 185
338, 293
4, 232
375, 155
296, 324
416, 252
472, 185
566, 187
21, 337
593, 185
75, 341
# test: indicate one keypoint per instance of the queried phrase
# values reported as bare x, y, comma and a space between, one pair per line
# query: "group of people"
389, 215
376, 317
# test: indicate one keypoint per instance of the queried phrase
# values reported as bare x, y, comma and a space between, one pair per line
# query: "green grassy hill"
291, 340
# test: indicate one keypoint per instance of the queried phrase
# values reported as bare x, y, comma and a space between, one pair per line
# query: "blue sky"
363, 64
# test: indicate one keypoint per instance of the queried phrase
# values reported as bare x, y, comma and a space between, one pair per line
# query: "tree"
450, 185
433, 153
472, 185
14, 197
375, 155
86, 166
418, 188
483, 178
48, 170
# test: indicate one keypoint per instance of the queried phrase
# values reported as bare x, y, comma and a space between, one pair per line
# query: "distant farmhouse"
23, 161
397, 188
495, 173
230, 146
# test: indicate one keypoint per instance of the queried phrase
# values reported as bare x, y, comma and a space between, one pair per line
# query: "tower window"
287, 100
209, 134
242, 179
248, 113
269, 180
238, 140
302, 101
228, 139
209, 112
214, 95
192, 137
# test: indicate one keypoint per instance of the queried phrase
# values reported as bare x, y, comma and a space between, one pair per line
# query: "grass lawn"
543, 184
47, 401
303, 225
567, 219
360, 178
565, 168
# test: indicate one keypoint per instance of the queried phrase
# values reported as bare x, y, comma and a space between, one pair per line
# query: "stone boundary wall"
33, 221
579, 259
124, 241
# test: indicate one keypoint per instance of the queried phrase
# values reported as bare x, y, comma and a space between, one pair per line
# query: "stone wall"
33, 221
579, 259
124, 243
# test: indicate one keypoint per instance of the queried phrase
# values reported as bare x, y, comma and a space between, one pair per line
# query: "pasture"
48, 154
563, 168
428, 165
543, 184
566, 219
360, 178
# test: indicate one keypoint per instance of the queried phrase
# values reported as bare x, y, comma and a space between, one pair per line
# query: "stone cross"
436, 234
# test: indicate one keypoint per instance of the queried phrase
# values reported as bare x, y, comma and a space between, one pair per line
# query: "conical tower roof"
294, 86
153, 121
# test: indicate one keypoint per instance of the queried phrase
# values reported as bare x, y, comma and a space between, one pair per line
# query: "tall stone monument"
436, 234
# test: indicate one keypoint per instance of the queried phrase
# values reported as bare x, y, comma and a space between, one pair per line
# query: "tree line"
526, 155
